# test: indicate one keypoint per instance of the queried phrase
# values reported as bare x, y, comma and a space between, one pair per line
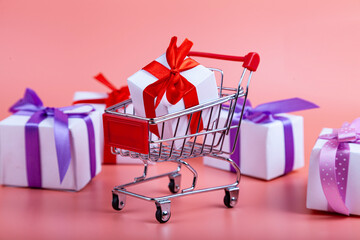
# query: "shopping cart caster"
163, 213
174, 184
231, 197
118, 202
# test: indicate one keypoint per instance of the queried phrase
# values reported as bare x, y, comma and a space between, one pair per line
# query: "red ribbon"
172, 83
114, 97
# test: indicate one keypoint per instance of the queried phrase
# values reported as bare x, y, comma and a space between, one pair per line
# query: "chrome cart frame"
208, 142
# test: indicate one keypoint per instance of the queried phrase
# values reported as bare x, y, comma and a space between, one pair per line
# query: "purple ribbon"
266, 113
31, 105
334, 164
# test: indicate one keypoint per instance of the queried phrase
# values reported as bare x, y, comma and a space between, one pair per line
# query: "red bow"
114, 97
171, 82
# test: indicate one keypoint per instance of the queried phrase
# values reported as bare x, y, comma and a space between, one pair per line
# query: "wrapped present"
270, 143
103, 99
334, 171
100, 101
172, 83
55, 148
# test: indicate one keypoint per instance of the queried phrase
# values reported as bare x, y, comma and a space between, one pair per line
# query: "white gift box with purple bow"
334, 171
270, 144
44, 147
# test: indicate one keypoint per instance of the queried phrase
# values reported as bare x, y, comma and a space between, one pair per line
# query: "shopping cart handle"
250, 61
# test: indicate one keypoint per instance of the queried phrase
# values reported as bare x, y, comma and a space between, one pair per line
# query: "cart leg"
175, 181
235, 166
163, 210
194, 179
231, 196
137, 179
118, 200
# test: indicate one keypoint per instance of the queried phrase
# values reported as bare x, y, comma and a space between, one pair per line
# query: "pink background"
308, 49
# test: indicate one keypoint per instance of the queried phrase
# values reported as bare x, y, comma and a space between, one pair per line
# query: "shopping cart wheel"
231, 196
163, 213
118, 203
174, 184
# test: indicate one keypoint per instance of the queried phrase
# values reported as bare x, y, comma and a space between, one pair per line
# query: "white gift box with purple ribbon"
271, 142
54, 148
334, 171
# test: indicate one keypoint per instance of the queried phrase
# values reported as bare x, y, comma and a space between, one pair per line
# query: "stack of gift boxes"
44, 147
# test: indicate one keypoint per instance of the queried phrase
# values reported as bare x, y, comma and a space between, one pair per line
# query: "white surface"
315, 194
12, 153
202, 78
262, 148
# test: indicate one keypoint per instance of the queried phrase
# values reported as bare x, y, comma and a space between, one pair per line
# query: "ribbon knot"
174, 71
171, 82
345, 134
47, 111
31, 105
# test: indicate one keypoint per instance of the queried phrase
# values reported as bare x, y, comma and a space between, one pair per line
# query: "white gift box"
315, 195
262, 147
13, 161
81, 95
201, 77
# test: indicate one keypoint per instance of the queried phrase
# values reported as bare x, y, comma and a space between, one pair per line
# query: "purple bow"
334, 164
266, 113
31, 105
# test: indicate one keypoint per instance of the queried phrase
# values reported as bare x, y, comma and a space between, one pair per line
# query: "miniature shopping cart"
120, 127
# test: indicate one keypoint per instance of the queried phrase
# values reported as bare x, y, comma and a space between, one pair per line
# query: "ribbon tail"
91, 101
62, 142
171, 52
289, 143
32, 149
30, 102
183, 51
329, 179
285, 106
191, 99
91, 141
101, 78
356, 124
188, 63
150, 111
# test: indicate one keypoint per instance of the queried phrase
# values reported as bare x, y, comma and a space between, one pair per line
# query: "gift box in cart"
132, 135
